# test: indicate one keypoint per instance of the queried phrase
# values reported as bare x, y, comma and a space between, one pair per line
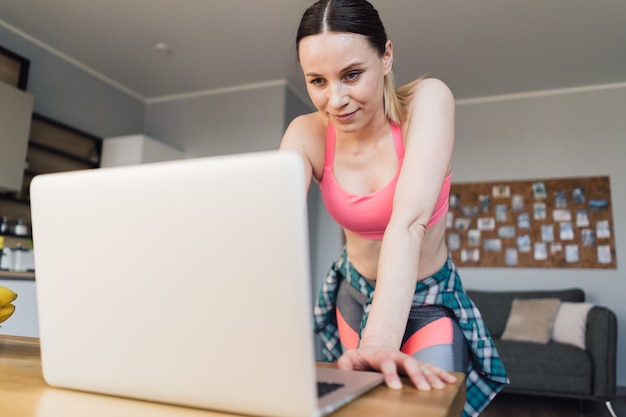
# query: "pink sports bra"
368, 215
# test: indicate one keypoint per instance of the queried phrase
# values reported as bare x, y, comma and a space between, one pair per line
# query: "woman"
382, 158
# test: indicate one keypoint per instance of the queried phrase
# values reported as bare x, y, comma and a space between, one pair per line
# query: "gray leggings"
432, 334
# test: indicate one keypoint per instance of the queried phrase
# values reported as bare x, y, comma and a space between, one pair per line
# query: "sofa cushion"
495, 306
570, 324
531, 320
552, 368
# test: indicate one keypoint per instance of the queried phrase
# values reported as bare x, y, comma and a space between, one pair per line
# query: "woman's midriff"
364, 253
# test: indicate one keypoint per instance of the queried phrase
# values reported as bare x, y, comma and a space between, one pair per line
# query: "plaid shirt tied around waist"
486, 375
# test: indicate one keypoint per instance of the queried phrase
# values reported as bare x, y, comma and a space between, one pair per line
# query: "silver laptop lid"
183, 282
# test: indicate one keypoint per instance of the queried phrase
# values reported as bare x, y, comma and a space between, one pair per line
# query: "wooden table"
24, 393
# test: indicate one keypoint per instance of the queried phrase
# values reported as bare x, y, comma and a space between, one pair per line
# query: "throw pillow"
570, 324
531, 320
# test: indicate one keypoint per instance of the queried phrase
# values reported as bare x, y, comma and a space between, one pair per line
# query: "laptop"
184, 282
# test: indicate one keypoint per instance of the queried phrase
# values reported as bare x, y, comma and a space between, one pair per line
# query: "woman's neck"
370, 134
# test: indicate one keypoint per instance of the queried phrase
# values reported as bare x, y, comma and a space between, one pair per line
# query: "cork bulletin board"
543, 223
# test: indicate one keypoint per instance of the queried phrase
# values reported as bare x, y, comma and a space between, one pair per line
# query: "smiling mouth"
344, 116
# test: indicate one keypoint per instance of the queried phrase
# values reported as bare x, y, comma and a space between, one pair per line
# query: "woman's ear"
388, 57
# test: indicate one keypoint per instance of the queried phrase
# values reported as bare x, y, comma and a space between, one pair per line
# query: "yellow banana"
6, 311
6, 296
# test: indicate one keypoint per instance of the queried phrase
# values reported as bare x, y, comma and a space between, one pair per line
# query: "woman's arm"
303, 136
429, 142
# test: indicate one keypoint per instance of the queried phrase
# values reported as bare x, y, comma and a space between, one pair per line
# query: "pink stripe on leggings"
438, 332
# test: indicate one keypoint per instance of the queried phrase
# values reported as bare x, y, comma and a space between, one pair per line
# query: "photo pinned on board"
454, 201
501, 213
473, 237
523, 221
484, 202
470, 255
501, 191
598, 205
510, 257
449, 220
493, 245
517, 202
572, 254
506, 232
541, 251
469, 211
588, 238
539, 191
547, 232
562, 215
454, 241
603, 231
556, 248
486, 223
523, 243
560, 199
604, 254
539, 211
578, 195
462, 223
582, 218
566, 231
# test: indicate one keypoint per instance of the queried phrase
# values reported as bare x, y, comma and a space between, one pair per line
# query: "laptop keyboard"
324, 388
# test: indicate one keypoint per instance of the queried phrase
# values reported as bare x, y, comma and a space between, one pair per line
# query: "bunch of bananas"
6, 308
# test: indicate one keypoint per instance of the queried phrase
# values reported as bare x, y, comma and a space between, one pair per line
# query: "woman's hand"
391, 362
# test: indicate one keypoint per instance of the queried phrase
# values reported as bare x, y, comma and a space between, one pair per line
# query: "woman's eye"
351, 76
317, 82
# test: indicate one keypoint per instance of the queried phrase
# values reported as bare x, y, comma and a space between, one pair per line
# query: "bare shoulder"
431, 100
306, 135
431, 90
430, 118
304, 131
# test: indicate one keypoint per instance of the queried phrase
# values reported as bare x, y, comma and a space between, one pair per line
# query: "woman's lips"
343, 118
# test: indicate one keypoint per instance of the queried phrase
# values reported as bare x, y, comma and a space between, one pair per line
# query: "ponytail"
397, 99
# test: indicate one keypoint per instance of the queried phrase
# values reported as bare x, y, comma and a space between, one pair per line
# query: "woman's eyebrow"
345, 69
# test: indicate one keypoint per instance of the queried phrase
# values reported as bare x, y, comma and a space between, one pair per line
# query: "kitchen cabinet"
51, 147
16, 107
136, 149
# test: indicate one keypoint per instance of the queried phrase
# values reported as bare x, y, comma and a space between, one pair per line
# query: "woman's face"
345, 77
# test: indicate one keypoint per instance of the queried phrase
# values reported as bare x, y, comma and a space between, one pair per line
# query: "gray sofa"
555, 369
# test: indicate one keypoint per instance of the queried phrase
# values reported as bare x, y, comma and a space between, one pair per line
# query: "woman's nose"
338, 95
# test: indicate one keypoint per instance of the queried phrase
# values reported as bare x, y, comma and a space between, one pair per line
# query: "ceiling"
478, 47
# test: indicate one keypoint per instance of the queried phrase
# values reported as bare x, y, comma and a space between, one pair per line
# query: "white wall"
217, 124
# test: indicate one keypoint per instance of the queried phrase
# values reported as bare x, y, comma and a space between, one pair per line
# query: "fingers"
426, 376
390, 374
419, 375
423, 375
351, 360
344, 362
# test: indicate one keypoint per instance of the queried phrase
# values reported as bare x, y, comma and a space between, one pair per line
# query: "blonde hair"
397, 99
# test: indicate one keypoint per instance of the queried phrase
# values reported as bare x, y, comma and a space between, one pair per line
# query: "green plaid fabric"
486, 375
